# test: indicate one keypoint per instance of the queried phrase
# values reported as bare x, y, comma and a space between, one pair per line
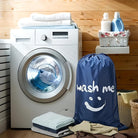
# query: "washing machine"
43, 71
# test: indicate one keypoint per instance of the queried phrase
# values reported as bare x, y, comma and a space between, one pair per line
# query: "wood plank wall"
87, 14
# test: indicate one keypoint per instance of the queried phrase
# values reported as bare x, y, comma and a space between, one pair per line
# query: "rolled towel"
28, 22
52, 17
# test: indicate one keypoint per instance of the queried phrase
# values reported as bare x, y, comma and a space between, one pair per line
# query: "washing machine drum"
44, 75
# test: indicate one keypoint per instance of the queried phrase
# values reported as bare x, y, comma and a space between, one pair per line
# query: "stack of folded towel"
42, 20
52, 124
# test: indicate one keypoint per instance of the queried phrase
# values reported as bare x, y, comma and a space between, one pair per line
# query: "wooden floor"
25, 134
10, 133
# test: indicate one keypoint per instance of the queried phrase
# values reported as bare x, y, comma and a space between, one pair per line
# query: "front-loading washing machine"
43, 71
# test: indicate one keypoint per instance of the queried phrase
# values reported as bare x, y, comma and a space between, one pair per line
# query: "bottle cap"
116, 15
105, 16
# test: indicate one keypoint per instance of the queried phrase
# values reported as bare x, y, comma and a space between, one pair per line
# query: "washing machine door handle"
70, 75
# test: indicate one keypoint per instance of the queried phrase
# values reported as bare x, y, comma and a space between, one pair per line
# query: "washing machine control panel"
56, 37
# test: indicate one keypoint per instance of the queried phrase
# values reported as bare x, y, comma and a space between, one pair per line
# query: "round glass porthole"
44, 75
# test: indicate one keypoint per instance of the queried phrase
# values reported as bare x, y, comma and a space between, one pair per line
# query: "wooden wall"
87, 14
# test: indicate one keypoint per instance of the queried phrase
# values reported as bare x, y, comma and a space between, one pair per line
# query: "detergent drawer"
22, 36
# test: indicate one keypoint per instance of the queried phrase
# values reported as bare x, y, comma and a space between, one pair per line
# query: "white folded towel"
28, 22
53, 120
61, 133
52, 17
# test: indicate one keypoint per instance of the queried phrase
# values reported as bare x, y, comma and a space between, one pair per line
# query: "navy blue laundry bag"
96, 94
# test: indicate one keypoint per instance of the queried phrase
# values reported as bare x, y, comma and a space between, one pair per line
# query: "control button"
66, 109
43, 37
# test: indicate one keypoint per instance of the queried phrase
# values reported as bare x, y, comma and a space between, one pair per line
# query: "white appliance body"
43, 71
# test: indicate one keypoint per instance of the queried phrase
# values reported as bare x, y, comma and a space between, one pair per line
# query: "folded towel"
26, 22
51, 27
53, 120
72, 26
59, 134
52, 17
50, 129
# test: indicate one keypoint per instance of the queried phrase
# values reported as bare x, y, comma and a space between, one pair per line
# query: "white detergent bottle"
117, 23
105, 23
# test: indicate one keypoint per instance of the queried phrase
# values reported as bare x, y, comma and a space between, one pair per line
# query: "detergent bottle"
105, 23
117, 23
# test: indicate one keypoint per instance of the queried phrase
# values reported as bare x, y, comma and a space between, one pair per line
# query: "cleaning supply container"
117, 23
105, 23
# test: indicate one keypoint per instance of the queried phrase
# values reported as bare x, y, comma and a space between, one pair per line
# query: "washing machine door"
44, 75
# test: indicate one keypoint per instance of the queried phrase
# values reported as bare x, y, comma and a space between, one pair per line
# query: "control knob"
44, 37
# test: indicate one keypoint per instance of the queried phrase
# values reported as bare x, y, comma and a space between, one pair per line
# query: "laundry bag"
96, 94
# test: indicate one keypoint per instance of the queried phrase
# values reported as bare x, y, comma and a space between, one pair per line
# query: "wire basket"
114, 39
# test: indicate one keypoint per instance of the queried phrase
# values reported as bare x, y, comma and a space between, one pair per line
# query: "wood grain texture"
88, 15
26, 134
89, 47
67, 5
83, 18
29, 134
128, 79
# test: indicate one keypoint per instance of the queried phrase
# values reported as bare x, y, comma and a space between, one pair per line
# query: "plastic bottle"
105, 23
117, 23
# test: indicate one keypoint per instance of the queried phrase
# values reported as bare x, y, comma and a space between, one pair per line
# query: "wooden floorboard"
25, 134
10, 133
